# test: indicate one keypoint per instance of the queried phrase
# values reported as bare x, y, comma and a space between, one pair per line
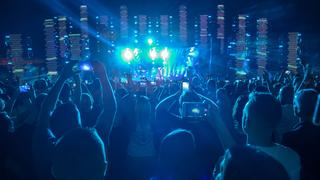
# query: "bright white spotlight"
127, 55
150, 41
86, 67
165, 54
153, 53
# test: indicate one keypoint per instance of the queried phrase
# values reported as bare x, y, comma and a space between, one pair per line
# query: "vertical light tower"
103, 35
16, 53
262, 44
142, 26
164, 26
204, 31
85, 51
241, 44
220, 23
183, 25
75, 46
135, 32
27, 48
171, 30
63, 37
293, 50
124, 28
196, 31
51, 46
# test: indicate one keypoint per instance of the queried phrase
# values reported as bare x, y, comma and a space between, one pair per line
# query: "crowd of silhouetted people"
197, 128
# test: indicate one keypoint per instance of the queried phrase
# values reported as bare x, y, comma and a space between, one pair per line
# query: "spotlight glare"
150, 41
165, 54
127, 55
153, 53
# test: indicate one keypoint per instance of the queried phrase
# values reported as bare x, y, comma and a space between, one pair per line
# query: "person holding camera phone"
196, 113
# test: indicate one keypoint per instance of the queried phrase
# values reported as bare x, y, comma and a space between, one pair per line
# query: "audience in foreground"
68, 128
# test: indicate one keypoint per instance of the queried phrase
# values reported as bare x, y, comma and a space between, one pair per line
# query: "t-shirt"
289, 159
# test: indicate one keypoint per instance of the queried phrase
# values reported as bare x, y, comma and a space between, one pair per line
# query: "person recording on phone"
189, 110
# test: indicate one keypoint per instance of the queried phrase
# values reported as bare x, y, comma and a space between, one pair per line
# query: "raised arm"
306, 76
42, 138
53, 95
105, 120
217, 124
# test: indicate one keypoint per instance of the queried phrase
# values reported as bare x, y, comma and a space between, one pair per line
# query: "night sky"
26, 16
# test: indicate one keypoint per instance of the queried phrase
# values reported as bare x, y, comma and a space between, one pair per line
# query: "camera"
85, 66
194, 110
24, 88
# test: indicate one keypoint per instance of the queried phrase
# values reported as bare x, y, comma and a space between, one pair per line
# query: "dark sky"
26, 16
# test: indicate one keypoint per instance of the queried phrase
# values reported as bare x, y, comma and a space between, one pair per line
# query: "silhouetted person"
249, 164
261, 116
58, 123
79, 154
6, 154
305, 138
177, 156
288, 120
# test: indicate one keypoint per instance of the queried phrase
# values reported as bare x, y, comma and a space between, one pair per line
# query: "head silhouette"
143, 110
250, 164
177, 153
238, 107
79, 154
261, 114
286, 94
304, 104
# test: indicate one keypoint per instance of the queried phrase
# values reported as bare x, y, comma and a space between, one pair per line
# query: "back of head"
79, 154
221, 94
238, 108
189, 96
40, 85
211, 85
177, 151
304, 103
286, 94
262, 113
64, 118
258, 165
